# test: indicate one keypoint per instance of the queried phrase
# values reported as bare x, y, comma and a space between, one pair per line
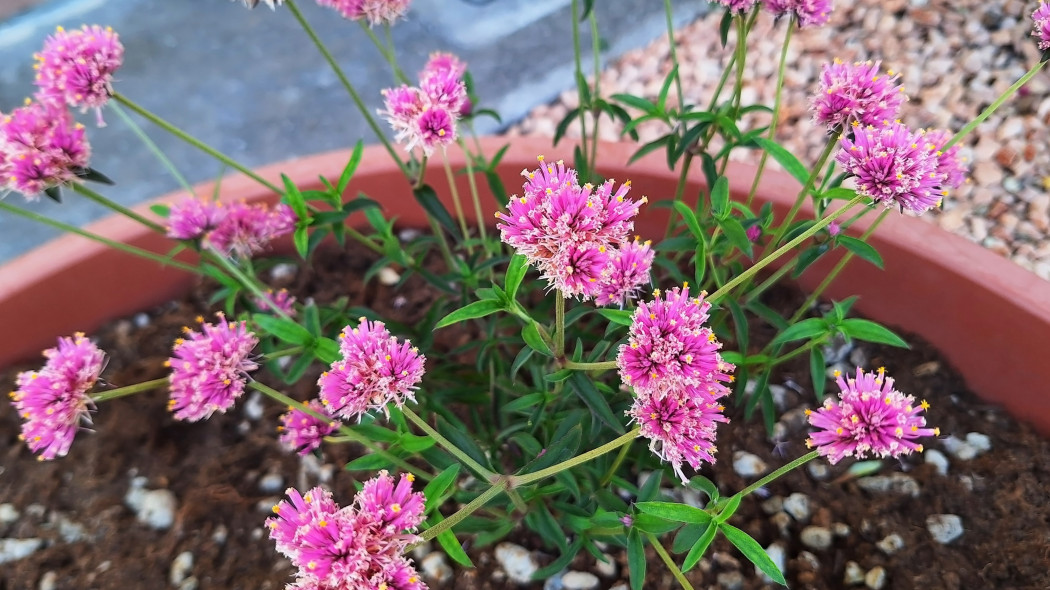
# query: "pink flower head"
670, 348
193, 218
209, 368
281, 299
856, 93
616, 212
393, 508
54, 400
1041, 25
628, 271
376, 12
870, 419
738, 5
76, 67
442, 81
810, 13
247, 229
834, 228
303, 432
376, 369
949, 165
398, 574
41, 147
443, 63
893, 165
437, 127
680, 424
578, 269
754, 232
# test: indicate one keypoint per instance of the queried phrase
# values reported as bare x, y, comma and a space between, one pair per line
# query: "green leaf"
729, 509
698, 550
561, 563
160, 210
724, 25
785, 158
368, 463
563, 125
637, 102
477, 309
675, 512
597, 403
54, 193
737, 235
720, 198
807, 258
807, 328
817, 372
636, 559
700, 262
94, 176
437, 487
861, 249
753, 552
687, 536
294, 198
453, 549
327, 350
463, 441
661, 102
622, 317
558, 376
282, 329
351, 166
690, 219
531, 335
706, 486
649, 147
302, 241
515, 273
428, 199
871, 332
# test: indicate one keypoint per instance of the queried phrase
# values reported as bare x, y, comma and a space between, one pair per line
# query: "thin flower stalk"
995, 105
778, 93
112, 394
456, 202
501, 484
580, 80
779, 472
806, 188
664, 557
152, 147
474, 194
596, 91
116, 207
448, 445
520, 480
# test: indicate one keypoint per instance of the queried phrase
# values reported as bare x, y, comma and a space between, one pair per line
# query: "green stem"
151, 146
344, 430
281, 353
782, 229
753, 294
172, 129
578, 60
393, 54
668, 12
475, 195
675, 571
464, 458
602, 366
772, 476
498, 486
559, 324
386, 51
596, 51
363, 239
116, 207
800, 350
346, 84
747, 274
65, 227
679, 191
105, 396
520, 480
776, 109
620, 457
741, 53
455, 198
995, 105
248, 282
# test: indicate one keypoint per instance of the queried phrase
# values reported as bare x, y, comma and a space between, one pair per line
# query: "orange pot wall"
990, 317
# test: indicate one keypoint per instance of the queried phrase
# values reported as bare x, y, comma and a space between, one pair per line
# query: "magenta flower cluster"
359, 546
234, 228
54, 401
302, 431
376, 12
1041, 25
377, 369
426, 116
577, 236
738, 5
280, 299
209, 368
809, 13
76, 68
870, 419
900, 167
672, 361
856, 93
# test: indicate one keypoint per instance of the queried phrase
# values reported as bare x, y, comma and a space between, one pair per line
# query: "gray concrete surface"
251, 84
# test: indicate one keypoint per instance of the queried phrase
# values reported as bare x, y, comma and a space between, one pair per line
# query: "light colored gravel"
955, 57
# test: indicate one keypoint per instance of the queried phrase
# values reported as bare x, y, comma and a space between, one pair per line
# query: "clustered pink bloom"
356, 546
426, 115
281, 299
209, 368
41, 147
626, 273
738, 5
376, 12
754, 232
573, 234
237, 228
53, 401
1041, 25
303, 432
76, 68
896, 166
810, 13
856, 93
376, 369
870, 419
672, 362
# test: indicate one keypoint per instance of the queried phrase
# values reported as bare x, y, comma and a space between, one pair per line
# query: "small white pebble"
8, 513
607, 568
818, 470
284, 271
388, 276
579, 581
157, 509
435, 567
181, 567
797, 505
816, 537
254, 407
896, 483
189, 583
854, 574
15, 549
891, 544
840, 529
747, 465
937, 459
140, 320
517, 562
48, 581
220, 534
875, 578
733, 580
271, 483
981, 442
959, 448
773, 505
944, 528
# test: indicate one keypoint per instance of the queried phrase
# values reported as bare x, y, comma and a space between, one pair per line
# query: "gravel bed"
954, 58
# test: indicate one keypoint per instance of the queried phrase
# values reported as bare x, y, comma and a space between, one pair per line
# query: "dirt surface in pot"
218, 479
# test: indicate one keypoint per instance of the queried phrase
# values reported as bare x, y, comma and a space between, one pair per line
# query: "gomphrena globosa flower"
303, 432
738, 5
426, 116
280, 299
899, 167
376, 12
356, 546
231, 228
376, 369
76, 68
856, 93
209, 368
669, 347
41, 147
870, 419
626, 273
54, 401
809, 13
193, 218
1041, 25
680, 424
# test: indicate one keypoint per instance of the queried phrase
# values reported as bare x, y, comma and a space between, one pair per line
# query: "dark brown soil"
214, 469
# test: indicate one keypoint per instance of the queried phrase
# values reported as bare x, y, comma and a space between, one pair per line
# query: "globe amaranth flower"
376, 370
244, 230
302, 431
1041, 25
856, 93
870, 419
810, 13
193, 218
41, 147
209, 368
670, 348
626, 273
76, 67
738, 5
680, 424
442, 81
896, 166
426, 116
54, 401
376, 12
950, 166
356, 546
280, 299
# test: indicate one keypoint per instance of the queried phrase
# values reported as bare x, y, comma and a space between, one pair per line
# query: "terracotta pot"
988, 316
